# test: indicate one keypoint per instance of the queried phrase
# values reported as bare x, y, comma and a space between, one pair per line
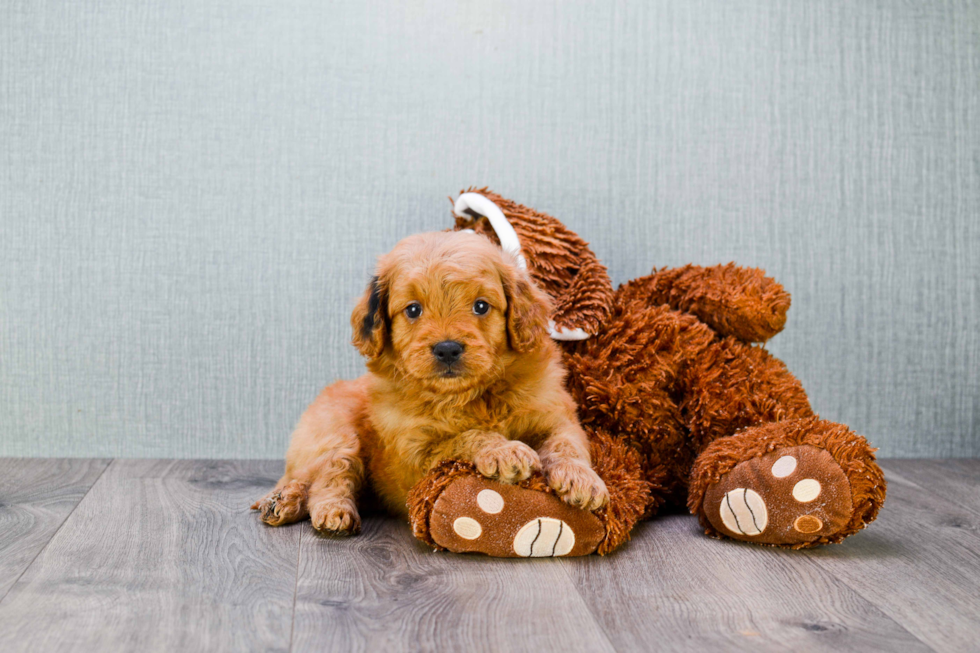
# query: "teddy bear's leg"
732, 300
455, 508
785, 477
796, 483
626, 383
647, 420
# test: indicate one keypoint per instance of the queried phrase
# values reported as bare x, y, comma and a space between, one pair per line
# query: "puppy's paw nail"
283, 505
578, 485
335, 517
510, 463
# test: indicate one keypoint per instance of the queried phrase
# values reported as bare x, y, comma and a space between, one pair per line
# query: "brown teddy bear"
680, 405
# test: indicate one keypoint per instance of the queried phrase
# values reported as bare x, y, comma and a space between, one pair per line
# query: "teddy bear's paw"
578, 485
510, 462
792, 496
335, 517
478, 515
284, 505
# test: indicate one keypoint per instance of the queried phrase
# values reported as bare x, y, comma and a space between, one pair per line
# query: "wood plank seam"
842, 581
598, 622
292, 617
56, 531
160, 555
954, 499
781, 566
861, 589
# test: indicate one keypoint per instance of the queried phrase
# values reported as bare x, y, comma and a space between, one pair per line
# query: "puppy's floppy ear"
528, 309
370, 320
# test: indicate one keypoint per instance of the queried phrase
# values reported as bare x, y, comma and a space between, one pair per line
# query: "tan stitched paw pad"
790, 496
477, 515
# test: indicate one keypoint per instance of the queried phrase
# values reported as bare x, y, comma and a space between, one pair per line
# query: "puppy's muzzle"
447, 352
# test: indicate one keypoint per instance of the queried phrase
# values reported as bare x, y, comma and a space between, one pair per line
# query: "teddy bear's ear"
369, 320
560, 262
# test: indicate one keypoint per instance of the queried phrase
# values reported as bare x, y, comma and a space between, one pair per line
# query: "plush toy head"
560, 262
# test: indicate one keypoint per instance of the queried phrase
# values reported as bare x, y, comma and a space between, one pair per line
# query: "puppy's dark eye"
480, 307
413, 311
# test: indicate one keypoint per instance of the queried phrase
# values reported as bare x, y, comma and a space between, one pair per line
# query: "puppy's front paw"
578, 485
335, 516
510, 462
284, 505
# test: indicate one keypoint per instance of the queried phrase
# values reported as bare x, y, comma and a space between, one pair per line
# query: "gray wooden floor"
125, 555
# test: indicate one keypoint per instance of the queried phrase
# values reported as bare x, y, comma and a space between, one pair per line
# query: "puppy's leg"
324, 464
335, 479
568, 468
496, 457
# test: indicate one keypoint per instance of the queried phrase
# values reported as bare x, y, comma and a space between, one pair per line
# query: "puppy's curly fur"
493, 394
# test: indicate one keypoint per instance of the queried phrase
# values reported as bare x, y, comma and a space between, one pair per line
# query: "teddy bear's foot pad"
477, 515
791, 496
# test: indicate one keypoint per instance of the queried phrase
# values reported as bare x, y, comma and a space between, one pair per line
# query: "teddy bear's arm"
732, 300
587, 301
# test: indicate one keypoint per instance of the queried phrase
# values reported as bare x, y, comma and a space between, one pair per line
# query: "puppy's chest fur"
415, 431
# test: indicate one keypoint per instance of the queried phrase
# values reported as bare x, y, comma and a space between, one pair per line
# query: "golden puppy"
460, 366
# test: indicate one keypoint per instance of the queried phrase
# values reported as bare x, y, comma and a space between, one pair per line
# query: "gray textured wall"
192, 192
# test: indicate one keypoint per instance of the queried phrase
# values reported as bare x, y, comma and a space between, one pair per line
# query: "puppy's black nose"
448, 351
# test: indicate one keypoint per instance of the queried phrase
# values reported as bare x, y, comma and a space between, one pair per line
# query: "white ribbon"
481, 205
510, 243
